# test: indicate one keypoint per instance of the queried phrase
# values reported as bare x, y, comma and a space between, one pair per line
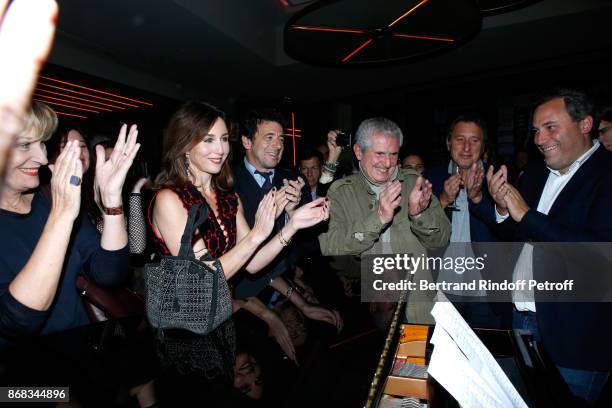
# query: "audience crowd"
289, 241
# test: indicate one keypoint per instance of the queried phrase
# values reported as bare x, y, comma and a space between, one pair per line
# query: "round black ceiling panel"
362, 32
490, 7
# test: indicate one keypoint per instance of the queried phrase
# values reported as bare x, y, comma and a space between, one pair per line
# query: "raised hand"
281, 200
293, 192
473, 179
278, 330
322, 314
451, 189
110, 174
517, 207
264, 217
334, 149
496, 181
389, 201
310, 214
66, 182
26, 34
419, 197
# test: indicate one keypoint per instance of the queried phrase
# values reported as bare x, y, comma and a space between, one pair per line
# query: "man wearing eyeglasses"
311, 164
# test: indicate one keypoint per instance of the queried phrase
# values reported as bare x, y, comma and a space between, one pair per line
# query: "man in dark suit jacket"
457, 186
263, 141
311, 165
565, 199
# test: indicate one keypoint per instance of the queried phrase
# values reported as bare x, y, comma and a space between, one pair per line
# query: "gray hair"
379, 125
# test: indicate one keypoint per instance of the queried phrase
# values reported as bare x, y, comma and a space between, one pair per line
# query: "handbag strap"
198, 214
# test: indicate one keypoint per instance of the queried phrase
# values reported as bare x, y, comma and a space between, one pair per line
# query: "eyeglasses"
304, 169
603, 130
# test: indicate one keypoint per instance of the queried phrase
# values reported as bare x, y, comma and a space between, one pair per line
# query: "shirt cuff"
326, 178
500, 218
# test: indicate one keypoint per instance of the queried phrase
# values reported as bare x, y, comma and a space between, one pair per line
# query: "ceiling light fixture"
48, 102
76, 103
69, 114
86, 94
357, 32
78, 98
95, 90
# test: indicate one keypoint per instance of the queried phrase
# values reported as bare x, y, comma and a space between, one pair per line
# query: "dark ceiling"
231, 50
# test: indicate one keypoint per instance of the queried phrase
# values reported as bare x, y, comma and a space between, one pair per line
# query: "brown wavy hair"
187, 126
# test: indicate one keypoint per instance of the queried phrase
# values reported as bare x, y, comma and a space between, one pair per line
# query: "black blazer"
576, 335
250, 195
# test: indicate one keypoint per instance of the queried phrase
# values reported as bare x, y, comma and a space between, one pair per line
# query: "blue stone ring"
75, 180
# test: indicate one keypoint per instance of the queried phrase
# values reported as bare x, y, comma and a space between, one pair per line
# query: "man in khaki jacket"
384, 209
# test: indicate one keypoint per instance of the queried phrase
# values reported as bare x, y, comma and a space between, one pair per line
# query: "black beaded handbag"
183, 292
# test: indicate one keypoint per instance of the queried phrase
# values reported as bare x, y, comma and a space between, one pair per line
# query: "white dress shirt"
555, 183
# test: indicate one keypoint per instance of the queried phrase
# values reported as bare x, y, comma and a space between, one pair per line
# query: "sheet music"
464, 366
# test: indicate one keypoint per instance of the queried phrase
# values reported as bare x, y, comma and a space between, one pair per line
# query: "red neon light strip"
79, 99
86, 94
69, 114
297, 130
67, 106
422, 37
406, 14
76, 103
293, 135
96, 90
329, 29
362, 46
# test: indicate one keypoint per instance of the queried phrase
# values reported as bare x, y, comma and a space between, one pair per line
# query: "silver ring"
75, 180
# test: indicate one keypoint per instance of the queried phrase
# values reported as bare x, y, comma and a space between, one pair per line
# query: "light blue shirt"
258, 178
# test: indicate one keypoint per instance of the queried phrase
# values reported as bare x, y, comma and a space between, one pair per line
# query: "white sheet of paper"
464, 366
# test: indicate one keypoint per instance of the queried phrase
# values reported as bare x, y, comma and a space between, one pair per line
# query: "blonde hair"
42, 120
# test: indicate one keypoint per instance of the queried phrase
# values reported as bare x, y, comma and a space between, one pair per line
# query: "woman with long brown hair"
196, 170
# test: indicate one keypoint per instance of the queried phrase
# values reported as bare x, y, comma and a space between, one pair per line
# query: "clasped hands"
471, 179
507, 198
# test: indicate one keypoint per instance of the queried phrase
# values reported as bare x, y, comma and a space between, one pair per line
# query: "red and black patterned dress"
219, 233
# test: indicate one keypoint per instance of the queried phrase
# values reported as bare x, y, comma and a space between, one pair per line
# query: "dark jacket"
250, 195
20, 234
576, 335
479, 230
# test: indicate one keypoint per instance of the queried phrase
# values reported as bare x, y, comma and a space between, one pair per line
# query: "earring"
187, 165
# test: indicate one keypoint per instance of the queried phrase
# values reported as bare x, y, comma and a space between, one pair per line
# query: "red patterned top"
219, 233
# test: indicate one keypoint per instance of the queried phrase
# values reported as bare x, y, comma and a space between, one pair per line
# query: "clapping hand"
389, 201
310, 214
419, 197
451, 189
264, 217
496, 181
473, 182
517, 207
293, 191
66, 181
